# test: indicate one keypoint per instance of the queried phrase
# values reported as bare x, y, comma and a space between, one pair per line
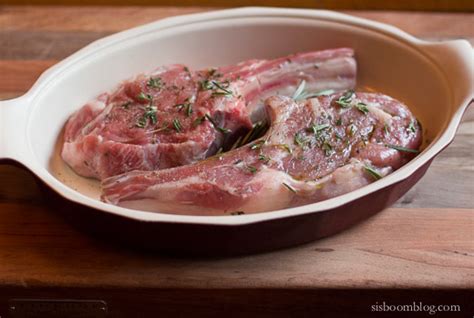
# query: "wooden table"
421, 249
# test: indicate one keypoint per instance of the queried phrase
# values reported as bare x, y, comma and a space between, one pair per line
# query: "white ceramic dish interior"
434, 79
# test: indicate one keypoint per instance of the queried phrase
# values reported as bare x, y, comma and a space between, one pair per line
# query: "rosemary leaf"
299, 90
177, 125
154, 82
362, 107
373, 173
288, 187
400, 148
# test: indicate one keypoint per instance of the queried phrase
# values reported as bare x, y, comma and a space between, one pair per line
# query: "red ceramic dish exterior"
217, 240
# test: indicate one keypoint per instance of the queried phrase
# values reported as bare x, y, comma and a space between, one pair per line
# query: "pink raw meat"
175, 116
314, 150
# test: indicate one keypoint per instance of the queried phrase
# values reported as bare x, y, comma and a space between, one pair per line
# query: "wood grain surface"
425, 242
427, 5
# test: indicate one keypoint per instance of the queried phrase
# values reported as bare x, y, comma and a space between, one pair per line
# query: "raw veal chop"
314, 150
175, 116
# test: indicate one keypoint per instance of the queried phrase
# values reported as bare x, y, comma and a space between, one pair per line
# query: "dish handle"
456, 59
13, 123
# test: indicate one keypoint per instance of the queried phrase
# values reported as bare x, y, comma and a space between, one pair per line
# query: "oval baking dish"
435, 80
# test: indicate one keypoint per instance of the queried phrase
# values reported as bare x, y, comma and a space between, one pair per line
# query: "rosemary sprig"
199, 121
223, 130
236, 143
301, 94
150, 113
216, 126
263, 158
299, 140
362, 107
400, 148
412, 127
188, 109
219, 89
154, 82
258, 129
327, 148
352, 129
290, 188
145, 97
177, 125
325, 92
252, 169
373, 173
317, 128
299, 90
345, 100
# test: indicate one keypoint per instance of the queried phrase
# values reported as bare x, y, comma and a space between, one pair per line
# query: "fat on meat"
175, 116
314, 150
